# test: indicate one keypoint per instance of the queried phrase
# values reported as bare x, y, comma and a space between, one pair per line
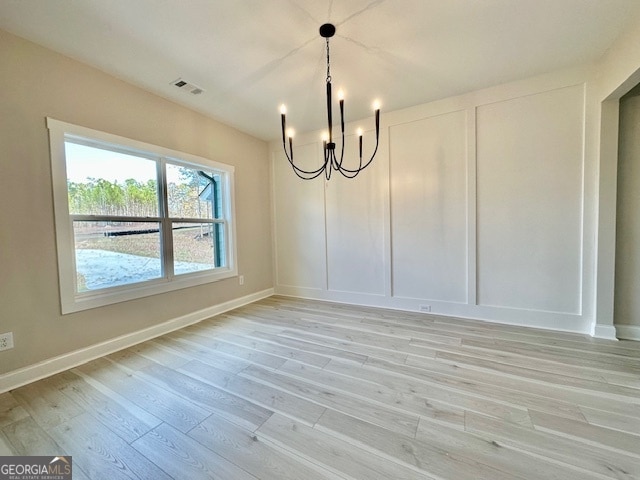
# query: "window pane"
220, 245
116, 253
193, 193
103, 182
196, 247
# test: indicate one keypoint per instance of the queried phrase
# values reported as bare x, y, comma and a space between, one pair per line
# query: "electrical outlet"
6, 341
425, 308
241, 279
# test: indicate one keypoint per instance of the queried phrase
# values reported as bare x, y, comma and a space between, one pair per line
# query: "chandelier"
331, 161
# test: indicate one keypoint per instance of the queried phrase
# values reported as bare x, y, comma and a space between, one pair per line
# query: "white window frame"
73, 301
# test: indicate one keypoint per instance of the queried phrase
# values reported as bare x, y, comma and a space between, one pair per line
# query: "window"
134, 219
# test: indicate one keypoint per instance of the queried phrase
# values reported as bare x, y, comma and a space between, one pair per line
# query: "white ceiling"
252, 55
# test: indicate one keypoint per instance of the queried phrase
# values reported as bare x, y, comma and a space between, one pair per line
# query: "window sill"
100, 298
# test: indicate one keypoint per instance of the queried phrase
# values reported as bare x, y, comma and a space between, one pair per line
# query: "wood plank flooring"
295, 389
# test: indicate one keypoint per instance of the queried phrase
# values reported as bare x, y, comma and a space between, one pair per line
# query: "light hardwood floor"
295, 389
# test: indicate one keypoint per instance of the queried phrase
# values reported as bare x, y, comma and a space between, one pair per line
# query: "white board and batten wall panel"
429, 208
299, 222
355, 223
473, 206
529, 201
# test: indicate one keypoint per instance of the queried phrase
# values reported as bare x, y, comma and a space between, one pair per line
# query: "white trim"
51, 366
628, 332
608, 332
555, 321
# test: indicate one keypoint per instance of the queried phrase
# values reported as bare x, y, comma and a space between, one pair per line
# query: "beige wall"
36, 83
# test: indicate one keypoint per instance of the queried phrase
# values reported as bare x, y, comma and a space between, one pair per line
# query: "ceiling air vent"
187, 87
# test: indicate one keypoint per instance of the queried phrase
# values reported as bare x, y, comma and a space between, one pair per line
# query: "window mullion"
165, 222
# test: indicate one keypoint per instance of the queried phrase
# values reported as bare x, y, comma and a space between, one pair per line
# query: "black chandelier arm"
375, 150
312, 173
342, 130
304, 174
311, 177
329, 159
289, 154
348, 173
360, 168
307, 175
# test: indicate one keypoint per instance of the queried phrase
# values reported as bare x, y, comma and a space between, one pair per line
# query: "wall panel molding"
530, 161
437, 211
429, 205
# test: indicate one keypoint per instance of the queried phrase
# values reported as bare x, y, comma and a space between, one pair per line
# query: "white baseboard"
51, 366
608, 332
556, 321
628, 332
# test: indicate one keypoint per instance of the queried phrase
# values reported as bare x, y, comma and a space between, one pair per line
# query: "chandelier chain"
328, 64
